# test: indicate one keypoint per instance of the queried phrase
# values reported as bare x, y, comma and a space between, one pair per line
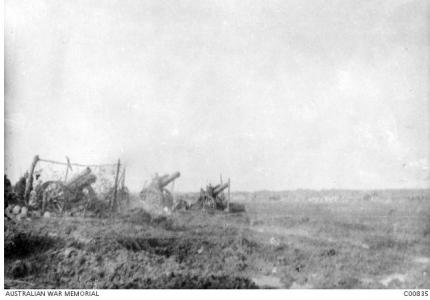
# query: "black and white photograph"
216, 144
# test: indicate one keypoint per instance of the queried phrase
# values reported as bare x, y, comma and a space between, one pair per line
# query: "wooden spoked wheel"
54, 197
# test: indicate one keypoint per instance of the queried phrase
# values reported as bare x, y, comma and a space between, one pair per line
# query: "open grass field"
297, 239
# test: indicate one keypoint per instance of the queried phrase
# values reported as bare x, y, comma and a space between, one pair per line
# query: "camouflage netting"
76, 188
105, 175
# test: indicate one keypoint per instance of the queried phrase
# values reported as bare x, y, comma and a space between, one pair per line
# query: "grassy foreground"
284, 240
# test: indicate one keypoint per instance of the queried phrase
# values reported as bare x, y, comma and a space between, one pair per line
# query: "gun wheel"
152, 197
54, 197
167, 199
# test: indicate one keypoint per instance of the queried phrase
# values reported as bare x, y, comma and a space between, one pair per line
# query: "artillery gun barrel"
83, 179
79, 176
165, 181
220, 188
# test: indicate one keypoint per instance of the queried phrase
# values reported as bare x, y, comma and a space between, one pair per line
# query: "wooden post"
127, 199
29, 182
173, 191
228, 201
114, 206
69, 166
67, 173
123, 178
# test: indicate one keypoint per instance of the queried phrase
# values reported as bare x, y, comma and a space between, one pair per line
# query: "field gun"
165, 180
219, 189
157, 193
212, 197
59, 196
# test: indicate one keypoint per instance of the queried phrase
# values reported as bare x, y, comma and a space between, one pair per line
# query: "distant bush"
10, 196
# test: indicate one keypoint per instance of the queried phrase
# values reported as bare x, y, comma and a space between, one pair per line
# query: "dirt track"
275, 244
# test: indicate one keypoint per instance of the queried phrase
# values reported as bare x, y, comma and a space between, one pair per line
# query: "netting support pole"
123, 178
67, 173
114, 206
29, 182
69, 166
173, 191
228, 201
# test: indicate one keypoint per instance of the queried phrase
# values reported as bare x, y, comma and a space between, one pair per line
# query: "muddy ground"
282, 241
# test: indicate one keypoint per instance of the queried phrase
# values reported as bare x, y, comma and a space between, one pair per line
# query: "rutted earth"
262, 248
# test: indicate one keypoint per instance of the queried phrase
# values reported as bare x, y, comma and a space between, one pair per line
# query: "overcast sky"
274, 94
